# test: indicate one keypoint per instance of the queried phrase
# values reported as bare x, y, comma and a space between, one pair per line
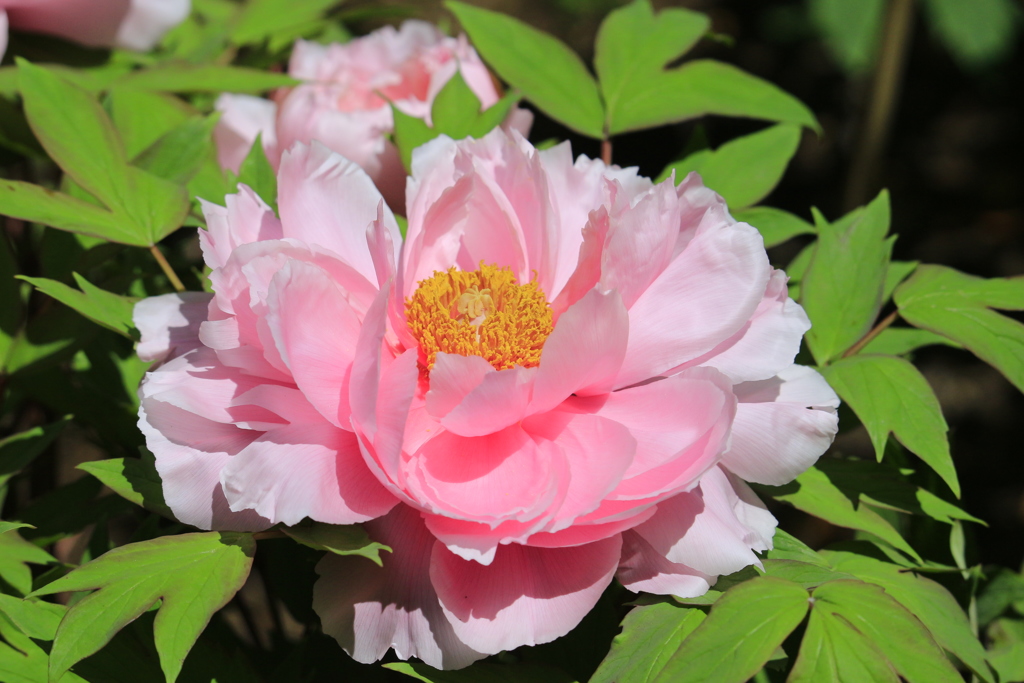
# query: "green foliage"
775, 225
483, 673
15, 555
210, 78
263, 19
18, 450
258, 174
193, 574
105, 308
977, 33
851, 29
337, 539
133, 479
650, 635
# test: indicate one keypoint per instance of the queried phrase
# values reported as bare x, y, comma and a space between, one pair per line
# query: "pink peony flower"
566, 377
130, 24
344, 102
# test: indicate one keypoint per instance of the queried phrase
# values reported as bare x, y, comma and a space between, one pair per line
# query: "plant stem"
875, 331
606, 151
166, 267
896, 33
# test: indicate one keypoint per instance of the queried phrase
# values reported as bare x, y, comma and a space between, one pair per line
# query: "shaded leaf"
18, 450
851, 29
977, 33
484, 672
348, 539
110, 310
133, 479
212, 78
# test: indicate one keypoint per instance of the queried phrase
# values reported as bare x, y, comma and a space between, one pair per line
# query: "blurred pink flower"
130, 24
566, 377
343, 103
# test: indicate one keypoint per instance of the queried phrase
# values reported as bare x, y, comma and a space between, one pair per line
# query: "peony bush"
306, 343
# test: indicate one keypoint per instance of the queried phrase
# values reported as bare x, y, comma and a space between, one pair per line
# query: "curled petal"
642, 569
169, 324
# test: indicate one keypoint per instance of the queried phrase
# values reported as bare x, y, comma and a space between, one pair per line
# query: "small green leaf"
34, 618
18, 450
193, 574
543, 68
977, 33
851, 29
348, 539
8, 526
891, 395
1007, 652
741, 633
133, 479
409, 133
842, 289
484, 672
899, 341
890, 627
959, 307
787, 547
258, 174
455, 109
1005, 588
745, 170
212, 78
141, 116
650, 634
775, 225
22, 660
179, 154
15, 553
897, 272
102, 307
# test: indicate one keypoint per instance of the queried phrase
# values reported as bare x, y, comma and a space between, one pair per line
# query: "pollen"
484, 313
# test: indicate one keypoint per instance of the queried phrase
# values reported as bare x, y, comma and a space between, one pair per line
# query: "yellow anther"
483, 313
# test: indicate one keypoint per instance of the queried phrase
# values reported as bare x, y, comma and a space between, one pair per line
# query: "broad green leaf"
891, 628
1007, 653
18, 450
935, 606
958, 306
484, 672
131, 478
102, 307
1006, 588
650, 634
806, 574
256, 172
851, 29
842, 289
409, 133
978, 32
193, 574
741, 633
34, 618
22, 660
816, 494
775, 225
141, 117
544, 69
746, 169
212, 78
833, 650
634, 45
704, 87
260, 19
15, 554
899, 341
348, 539
179, 154
891, 395
897, 272
39, 205
455, 108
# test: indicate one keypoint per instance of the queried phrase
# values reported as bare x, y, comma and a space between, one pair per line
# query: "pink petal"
498, 401
584, 352
782, 426
452, 378
244, 218
642, 569
526, 596
369, 609
243, 118
169, 323
326, 200
307, 470
701, 299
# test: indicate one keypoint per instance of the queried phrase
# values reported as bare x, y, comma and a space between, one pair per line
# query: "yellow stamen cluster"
484, 313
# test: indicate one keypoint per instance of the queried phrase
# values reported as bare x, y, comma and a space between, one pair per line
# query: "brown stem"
166, 267
875, 331
606, 151
899, 22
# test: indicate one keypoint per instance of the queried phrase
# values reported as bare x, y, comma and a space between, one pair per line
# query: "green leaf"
704, 87
958, 306
833, 650
775, 225
977, 33
899, 341
891, 395
897, 272
633, 47
787, 547
193, 574
409, 133
179, 154
484, 672
455, 108
133, 479
256, 172
891, 628
11, 304
741, 633
8, 526
348, 539
22, 660
39, 205
1007, 653
544, 69
260, 19
816, 494
935, 606
842, 289
102, 307
141, 117
15, 552
34, 618
211, 78
745, 170
18, 450
1006, 588
650, 634
851, 29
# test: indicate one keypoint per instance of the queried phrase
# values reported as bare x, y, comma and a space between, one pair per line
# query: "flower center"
484, 313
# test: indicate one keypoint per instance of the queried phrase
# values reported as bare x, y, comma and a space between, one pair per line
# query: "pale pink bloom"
626, 369
343, 103
129, 24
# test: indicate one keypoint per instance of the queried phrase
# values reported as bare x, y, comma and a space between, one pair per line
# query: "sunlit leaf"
15, 555
899, 341
256, 172
775, 225
650, 634
34, 618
